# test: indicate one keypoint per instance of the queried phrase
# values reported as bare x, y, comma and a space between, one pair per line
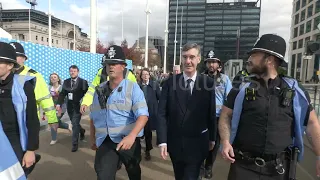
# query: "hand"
83, 109
318, 168
211, 145
29, 159
163, 152
93, 143
59, 114
126, 143
54, 126
58, 108
227, 152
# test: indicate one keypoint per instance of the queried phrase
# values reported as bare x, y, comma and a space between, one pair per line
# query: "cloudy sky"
275, 18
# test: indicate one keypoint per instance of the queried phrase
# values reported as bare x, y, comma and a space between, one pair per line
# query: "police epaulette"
32, 71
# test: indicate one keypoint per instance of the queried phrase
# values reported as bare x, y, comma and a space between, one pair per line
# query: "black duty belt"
263, 160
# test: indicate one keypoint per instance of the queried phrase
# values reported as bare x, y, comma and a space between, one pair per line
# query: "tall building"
215, 25
305, 19
16, 22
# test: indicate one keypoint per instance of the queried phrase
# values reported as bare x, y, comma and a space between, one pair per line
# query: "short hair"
189, 46
144, 69
73, 67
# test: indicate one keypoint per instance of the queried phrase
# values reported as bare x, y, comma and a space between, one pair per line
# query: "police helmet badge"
13, 45
111, 52
211, 54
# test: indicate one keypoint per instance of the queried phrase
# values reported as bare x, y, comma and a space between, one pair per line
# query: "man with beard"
222, 88
262, 123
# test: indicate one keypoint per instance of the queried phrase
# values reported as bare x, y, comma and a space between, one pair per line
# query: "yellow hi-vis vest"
42, 94
88, 97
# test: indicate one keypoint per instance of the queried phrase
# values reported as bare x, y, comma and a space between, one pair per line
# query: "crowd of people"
257, 120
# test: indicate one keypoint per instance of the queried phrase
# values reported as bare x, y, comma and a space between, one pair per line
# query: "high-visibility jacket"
123, 107
300, 109
42, 94
88, 97
10, 167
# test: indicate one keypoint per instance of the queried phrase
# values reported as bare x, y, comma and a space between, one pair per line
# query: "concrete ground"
59, 163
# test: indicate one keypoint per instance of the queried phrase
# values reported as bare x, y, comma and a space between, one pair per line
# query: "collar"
18, 71
7, 80
145, 83
193, 77
75, 78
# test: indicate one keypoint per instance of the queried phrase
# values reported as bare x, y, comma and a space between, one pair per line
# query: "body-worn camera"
287, 96
250, 94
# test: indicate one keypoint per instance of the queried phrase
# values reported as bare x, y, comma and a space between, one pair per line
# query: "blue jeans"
62, 125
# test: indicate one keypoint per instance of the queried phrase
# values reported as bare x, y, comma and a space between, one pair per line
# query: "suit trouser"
148, 138
212, 155
107, 158
240, 171
185, 170
75, 117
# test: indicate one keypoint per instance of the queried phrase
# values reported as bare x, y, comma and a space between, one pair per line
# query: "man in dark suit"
74, 88
187, 123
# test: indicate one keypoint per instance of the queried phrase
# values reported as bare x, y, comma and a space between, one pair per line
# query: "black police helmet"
19, 49
114, 55
212, 56
8, 54
271, 44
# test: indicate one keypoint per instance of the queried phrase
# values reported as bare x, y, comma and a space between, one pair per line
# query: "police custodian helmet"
19, 49
271, 44
114, 55
212, 56
8, 54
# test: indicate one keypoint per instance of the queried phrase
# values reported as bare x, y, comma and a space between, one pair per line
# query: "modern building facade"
16, 22
305, 19
215, 25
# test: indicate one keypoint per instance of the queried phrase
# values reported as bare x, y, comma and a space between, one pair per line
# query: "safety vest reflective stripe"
138, 106
91, 93
45, 97
15, 172
117, 130
49, 109
120, 107
92, 86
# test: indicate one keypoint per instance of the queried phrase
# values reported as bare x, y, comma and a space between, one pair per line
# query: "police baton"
293, 163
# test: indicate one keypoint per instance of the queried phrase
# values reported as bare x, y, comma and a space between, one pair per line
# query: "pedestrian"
119, 113
187, 124
262, 122
151, 91
222, 88
19, 122
74, 88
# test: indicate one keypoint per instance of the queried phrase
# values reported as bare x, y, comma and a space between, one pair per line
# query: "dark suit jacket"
182, 123
153, 96
79, 90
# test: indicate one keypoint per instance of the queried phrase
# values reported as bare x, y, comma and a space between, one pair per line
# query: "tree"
134, 55
100, 47
83, 48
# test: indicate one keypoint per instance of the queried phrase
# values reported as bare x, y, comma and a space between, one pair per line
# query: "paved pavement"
58, 162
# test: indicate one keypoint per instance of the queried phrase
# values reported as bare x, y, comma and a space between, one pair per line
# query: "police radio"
250, 94
287, 96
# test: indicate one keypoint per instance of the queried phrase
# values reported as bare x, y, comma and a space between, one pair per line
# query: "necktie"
189, 87
72, 83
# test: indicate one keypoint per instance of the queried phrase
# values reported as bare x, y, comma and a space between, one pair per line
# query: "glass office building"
214, 24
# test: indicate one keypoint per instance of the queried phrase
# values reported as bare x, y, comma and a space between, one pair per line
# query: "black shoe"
208, 172
82, 132
74, 148
148, 156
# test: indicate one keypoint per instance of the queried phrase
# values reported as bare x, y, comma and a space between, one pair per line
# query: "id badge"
70, 96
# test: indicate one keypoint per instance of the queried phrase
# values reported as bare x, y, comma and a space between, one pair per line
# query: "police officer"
119, 113
240, 77
222, 88
262, 123
101, 77
19, 122
43, 96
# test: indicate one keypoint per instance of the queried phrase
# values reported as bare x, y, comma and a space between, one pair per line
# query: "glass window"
317, 6
194, 7
41, 38
36, 37
195, 13
250, 16
197, 1
214, 22
231, 23
296, 19
303, 15
213, 33
293, 63
316, 22
196, 18
231, 17
297, 5
295, 33
195, 25
298, 67
301, 31
249, 22
47, 39
230, 32
303, 3
310, 11
300, 43
306, 40
232, 11
195, 30
210, 28
230, 28
256, 10
57, 42
214, 17
211, 11
294, 45
210, 38
210, 44
308, 26
195, 36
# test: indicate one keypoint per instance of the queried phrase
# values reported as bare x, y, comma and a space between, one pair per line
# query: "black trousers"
148, 138
240, 171
186, 171
212, 155
107, 158
75, 117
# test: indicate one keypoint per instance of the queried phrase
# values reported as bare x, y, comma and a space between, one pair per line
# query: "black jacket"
79, 90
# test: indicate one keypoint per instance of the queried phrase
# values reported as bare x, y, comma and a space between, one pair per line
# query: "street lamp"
181, 36
175, 36
148, 11
166, 40
93, 26
49, 14
32, 3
